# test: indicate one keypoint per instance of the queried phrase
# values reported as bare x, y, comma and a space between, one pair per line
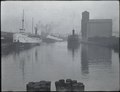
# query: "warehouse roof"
100, 20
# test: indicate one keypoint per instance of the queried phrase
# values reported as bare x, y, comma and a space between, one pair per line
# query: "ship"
51, 39
24, 39
73, 40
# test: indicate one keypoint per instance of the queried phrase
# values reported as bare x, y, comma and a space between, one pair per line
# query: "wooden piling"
38, 86
69, 85
61, 85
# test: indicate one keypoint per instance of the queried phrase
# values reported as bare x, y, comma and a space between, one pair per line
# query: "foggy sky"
64, 15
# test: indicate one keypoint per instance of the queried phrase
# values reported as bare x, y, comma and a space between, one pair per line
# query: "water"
97, 67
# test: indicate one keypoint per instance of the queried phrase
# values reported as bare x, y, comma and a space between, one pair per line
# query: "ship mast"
23, 22
23, 29
32, 25
73, 20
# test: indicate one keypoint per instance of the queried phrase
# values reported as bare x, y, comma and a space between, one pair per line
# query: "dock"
73, 40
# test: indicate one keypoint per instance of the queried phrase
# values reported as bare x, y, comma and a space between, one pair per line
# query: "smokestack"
73, 32
36, 30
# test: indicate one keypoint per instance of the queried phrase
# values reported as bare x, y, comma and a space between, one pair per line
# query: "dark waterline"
97, 67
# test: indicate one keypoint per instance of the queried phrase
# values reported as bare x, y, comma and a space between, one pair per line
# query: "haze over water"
97, 67
63, 15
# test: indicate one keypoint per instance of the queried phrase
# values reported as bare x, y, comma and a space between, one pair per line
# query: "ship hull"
24, 40
24, 45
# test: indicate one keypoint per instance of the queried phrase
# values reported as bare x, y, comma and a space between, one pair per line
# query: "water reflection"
92, 65
99, 55
12, 50
92, 55
36, 55
73, 49
84, 60
20, 57
22, 67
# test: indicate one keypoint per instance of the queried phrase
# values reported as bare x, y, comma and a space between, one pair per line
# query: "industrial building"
92, 28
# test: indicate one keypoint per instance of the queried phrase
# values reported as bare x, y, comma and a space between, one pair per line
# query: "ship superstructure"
23, 38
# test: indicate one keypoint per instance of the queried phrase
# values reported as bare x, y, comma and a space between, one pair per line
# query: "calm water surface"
97, 67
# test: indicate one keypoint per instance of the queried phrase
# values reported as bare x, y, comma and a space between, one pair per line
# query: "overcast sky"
64, 15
